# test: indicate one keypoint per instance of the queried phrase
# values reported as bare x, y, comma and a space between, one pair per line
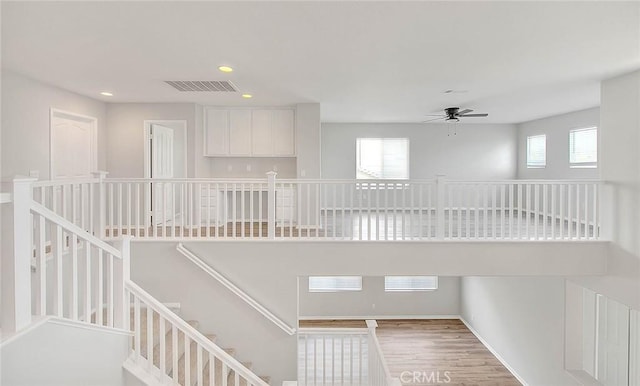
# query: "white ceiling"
363, 61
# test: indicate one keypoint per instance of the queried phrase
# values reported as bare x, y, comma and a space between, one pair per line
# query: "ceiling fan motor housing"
452, 113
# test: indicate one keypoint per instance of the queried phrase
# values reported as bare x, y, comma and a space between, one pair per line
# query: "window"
410, 283
583, 148
537, 151
382, 158
335, 283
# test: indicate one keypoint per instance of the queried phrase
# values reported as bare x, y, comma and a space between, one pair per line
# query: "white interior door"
72, 145
162, 168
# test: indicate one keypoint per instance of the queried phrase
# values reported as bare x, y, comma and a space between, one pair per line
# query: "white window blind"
537, 151
410, 283
382, 158
583, 148
335, 283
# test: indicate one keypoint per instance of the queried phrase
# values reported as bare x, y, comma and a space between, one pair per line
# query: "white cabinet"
213, 210
216, 132
249, 132
286, 206
240, 132
283, 132
262, 140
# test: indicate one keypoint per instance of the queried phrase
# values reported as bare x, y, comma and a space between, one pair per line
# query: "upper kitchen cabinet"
249, 132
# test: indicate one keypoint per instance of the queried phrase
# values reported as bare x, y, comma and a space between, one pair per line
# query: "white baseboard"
379, 317
493, 351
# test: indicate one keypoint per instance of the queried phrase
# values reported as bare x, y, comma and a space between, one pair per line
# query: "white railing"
60, 269
333, 356
377, 210
235, 290
77, 276
379, 374
76, 200
193, 359
520, 210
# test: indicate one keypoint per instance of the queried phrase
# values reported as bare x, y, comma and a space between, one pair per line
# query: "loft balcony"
328, 210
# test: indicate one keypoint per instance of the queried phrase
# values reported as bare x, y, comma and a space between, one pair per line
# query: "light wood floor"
437, 346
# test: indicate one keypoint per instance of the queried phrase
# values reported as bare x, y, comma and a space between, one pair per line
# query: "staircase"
152, 338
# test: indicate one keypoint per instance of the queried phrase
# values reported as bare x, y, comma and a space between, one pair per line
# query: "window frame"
328, 289
585, 164
383, 139
536, 165
411, 289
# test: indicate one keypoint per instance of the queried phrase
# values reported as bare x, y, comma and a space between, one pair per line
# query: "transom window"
410, 283
583, 148
537, 151
382, 158
335, 283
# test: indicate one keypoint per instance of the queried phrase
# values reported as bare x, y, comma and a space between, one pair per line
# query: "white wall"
26, 105
476, 152
522, 319
126, 134
65, 353
556, 128
374, 303
620, 164
308, 140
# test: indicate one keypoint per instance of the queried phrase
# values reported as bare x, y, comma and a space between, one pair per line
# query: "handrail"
194, 334
235, 289
65, 181
371, 326
332, 331
528, 181
71, 227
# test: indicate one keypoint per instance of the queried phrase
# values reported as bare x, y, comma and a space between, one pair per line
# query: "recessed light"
225, 69
106, 93
247, 96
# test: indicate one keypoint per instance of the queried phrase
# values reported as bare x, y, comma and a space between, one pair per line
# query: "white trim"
53, 112
39, 321
147, 126
379, 317
494, 352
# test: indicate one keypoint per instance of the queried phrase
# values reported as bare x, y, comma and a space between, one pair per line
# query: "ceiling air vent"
202, 85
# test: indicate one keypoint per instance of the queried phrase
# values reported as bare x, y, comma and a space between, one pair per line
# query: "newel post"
271, 205
440, 200
121, 274
16, 264
100, 204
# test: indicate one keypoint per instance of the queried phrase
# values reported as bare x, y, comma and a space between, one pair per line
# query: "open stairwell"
174, 351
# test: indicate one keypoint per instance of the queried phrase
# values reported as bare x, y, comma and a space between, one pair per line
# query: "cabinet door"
216, 132
262, 144
240, 132
283, 131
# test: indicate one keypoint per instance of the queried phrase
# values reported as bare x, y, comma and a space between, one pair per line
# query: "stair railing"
210, 365
71, 273
379, 374
235, 289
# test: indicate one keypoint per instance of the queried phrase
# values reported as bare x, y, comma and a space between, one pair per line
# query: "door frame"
93, 121
147, 137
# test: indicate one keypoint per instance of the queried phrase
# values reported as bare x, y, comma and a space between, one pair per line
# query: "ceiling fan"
454, 114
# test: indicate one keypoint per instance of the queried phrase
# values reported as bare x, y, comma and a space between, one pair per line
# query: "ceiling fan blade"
434, 119
464, 111
473, 115
435, 115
